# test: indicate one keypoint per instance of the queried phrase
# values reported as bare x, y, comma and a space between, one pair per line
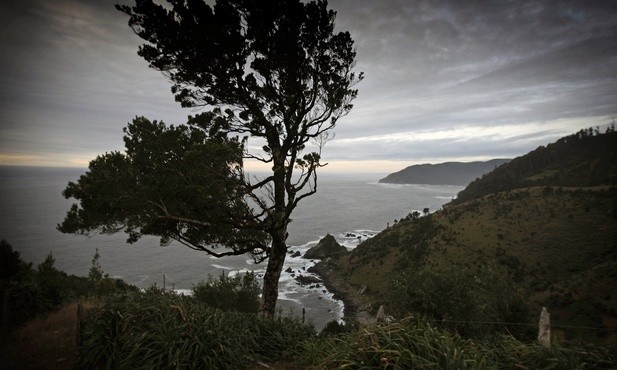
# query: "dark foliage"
272, 70
587, 158
156, 330
32, 292
173, 182
239, 293
10, 261
460, 298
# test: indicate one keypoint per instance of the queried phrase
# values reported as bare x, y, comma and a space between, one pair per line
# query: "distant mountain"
449, 173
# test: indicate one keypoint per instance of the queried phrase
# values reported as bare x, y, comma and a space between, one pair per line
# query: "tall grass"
415, 344
150, 330
157, 330
408, 344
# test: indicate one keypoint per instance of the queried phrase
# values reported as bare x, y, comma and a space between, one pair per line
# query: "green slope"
587, 158
500, 258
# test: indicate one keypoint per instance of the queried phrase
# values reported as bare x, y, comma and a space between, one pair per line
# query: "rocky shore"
338, 287
331, 256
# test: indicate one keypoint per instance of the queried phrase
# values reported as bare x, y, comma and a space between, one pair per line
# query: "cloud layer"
444, 79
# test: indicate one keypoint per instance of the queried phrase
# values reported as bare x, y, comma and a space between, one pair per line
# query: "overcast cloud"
445, 80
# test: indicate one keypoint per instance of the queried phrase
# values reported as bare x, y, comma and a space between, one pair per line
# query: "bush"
239, 293
32, 292
160, 331
335, 328
26, 300
413, 343
461, 297
408, 344
10, 261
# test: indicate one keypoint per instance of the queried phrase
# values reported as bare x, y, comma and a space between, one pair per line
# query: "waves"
350, 209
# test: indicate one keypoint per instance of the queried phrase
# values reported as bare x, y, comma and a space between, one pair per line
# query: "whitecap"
284, 295
221, 267
186, 292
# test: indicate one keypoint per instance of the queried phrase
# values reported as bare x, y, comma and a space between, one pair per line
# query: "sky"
444, 80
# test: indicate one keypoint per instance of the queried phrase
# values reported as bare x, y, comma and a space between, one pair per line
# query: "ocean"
351, 207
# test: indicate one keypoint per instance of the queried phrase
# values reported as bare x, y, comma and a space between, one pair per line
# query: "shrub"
461, 297
238, 293
413, 343
160, 331
32, 292
10, 261
408, 344
335, 328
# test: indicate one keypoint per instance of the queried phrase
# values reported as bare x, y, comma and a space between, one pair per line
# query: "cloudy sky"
444, 80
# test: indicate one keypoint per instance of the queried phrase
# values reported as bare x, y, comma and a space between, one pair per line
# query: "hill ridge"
541, 239
586, 158
446, 173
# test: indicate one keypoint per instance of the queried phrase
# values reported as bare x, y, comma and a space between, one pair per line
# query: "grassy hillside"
153, 329
500, 257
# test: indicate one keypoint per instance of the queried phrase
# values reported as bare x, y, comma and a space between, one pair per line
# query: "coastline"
354, 307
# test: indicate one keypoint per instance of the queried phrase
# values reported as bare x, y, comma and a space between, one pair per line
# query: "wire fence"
504, 323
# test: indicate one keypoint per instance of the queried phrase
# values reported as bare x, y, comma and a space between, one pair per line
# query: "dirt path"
47, 342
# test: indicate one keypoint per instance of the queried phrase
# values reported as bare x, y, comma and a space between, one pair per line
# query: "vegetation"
486, 267
169, 331
27, 292
587, 158
275, 72
157, 329
414, 343
239, 293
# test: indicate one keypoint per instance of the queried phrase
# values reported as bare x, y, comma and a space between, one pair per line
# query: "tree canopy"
271, 71
174, 182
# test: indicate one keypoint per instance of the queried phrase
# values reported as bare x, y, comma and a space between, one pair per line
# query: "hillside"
502, 256
586, 158
449, 173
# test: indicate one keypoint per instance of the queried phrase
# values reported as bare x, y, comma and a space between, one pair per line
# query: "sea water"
351, 207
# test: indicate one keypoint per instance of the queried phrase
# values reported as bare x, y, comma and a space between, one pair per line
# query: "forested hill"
545, 236
587, 158
449, 173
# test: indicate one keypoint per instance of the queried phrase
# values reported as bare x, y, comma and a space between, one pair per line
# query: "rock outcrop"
327, 247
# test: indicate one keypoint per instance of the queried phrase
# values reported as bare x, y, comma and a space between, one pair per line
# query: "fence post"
544, 328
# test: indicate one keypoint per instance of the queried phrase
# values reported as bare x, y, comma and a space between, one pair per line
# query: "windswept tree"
274, 72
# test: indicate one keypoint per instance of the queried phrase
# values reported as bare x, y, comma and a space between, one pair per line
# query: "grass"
46, 342
559, 245
413, 343
154, 330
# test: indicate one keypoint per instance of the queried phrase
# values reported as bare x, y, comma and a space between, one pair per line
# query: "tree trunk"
269, 293
278, 250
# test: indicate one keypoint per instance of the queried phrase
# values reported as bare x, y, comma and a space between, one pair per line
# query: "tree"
96, 276
270, 71
10, 261
48, 265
